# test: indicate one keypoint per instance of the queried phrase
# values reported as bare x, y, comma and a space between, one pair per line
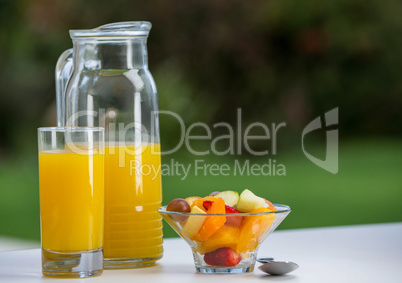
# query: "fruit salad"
223, 240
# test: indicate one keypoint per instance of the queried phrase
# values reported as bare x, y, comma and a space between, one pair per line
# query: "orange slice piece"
212, 223
199, 202
227, 236
253, 229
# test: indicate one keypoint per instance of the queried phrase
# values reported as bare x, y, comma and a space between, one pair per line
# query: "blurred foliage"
277, 60
281, 60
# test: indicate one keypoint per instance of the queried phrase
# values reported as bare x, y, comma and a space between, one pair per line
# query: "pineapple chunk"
194, 223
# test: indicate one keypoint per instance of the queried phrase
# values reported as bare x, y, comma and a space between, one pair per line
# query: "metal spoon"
265, 259
276, 267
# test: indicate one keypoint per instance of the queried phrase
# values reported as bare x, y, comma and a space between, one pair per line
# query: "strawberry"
230, 220
233, 220
207, 204
222, 257
230, 209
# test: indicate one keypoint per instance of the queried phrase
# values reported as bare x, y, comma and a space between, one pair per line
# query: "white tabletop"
364, 253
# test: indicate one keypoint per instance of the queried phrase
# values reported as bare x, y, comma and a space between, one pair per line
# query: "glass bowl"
225, 243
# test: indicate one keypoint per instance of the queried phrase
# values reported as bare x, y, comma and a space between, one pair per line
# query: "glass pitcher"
104, 81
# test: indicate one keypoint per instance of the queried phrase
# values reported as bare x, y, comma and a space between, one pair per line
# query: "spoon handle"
265, 259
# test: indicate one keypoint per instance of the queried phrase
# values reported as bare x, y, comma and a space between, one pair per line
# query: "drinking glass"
71, 174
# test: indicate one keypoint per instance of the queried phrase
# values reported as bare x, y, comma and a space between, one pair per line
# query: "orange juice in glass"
71, 201
133, 194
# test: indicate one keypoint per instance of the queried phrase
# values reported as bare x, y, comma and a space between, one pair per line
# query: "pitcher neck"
125, 53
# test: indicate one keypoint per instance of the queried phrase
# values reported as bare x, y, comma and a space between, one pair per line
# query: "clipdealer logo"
131, 145
330, 163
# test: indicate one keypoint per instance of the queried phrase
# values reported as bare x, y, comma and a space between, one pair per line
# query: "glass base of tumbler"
72, 264
127, 263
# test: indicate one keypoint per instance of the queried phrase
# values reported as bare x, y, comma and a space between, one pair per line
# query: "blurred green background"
279, 61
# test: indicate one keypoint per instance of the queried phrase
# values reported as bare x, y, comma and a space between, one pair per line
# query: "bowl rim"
284, 209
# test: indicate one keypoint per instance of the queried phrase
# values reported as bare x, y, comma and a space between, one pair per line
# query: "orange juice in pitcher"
133, 193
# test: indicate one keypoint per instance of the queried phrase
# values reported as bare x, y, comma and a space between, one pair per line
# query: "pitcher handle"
64, 68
